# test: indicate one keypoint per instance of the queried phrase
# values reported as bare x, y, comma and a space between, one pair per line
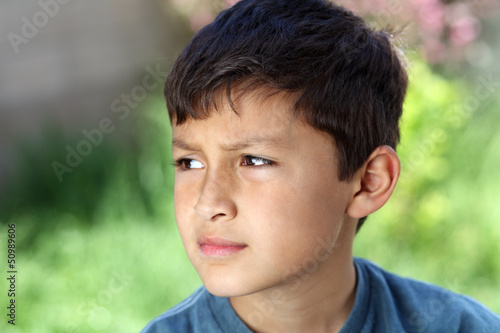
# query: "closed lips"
219, 247
216, 241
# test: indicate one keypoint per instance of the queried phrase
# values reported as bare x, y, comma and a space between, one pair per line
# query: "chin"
223, 288
227, 284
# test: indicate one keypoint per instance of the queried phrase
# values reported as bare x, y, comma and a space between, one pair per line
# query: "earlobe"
375, 182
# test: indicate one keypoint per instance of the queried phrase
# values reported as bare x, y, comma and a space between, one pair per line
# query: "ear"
374, 182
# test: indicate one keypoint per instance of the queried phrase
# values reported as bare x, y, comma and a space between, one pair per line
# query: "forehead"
255, 114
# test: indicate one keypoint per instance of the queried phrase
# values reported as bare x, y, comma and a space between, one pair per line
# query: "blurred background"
85, 164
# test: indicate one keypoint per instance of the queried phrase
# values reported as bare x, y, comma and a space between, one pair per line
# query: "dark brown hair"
349, 79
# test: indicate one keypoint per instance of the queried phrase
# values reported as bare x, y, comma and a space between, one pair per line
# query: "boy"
285, 119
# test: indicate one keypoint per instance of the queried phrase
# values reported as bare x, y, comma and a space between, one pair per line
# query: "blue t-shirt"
384, 302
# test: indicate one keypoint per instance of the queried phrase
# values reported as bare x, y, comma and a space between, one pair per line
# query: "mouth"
219, 247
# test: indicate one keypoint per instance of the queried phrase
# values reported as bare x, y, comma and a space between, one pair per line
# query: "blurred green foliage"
100, 252
440, 224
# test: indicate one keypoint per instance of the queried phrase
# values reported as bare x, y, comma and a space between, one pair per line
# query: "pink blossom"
464, 31
430, 15
434, 50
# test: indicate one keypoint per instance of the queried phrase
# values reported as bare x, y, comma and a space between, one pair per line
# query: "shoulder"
423, 307
181, 318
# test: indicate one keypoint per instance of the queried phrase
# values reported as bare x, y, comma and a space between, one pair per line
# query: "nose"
215, 202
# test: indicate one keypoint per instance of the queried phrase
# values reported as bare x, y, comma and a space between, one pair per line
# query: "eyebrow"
250, 142
178, 143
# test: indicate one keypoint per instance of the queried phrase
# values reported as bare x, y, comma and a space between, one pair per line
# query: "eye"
249, 160
188, 164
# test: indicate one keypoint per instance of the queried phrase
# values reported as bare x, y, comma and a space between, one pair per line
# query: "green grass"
114, 276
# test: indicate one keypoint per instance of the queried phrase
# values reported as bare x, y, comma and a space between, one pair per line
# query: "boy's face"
257, 197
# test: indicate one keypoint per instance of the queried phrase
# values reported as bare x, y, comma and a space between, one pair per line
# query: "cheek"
294, 207
183, 203
293, 218
288, 222
186, 190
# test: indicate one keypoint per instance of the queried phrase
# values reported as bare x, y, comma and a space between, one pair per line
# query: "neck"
316, 301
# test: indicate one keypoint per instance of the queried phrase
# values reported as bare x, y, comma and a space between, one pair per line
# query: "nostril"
217, 216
